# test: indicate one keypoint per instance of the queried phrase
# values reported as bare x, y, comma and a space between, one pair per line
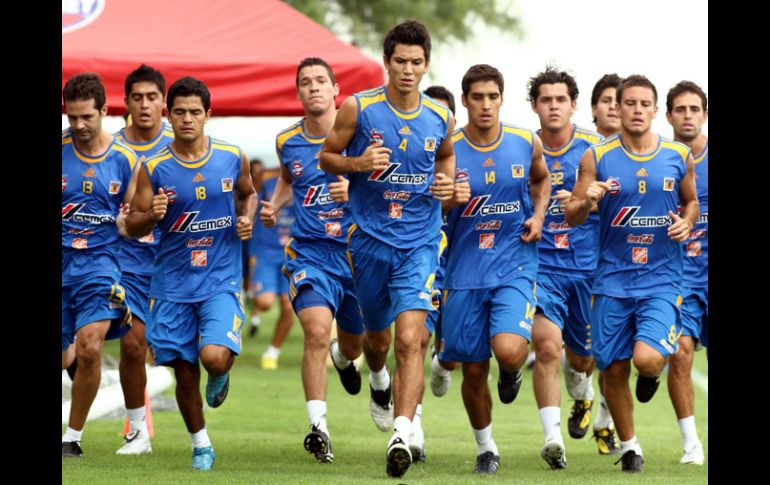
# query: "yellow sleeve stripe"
526, 134
591, 138
155, 161
682, 150
66, 141
604, 148
364, 102
459, 135
440, 110
130, 155
228, 148
284, 136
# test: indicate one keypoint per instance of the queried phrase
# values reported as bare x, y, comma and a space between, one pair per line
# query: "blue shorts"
323, 266
566, 301
434, 317
472, 317
268, 277
389, 280
619, 322
179, 330
695, 314
92, 300
137, 294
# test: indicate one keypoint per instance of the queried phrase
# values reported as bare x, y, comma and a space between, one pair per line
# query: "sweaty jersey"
199, 253
485, 246
137, 255
92, 189
636, 256
271, 238
394, 205
317, 216
563, 249
696, 256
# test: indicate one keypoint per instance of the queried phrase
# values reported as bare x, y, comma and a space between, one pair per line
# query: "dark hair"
85, 86
636, 80
552, 76
604, 82
442, 93
145, 73
685, 87
481, 72
189, 86
255, 161
315, 61
410, 32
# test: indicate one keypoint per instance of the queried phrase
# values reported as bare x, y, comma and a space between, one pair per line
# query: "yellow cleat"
605, 440
268, 362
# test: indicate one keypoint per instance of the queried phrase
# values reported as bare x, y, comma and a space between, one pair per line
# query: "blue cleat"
216, 389
203, 458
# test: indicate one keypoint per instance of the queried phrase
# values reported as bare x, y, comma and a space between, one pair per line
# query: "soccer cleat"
381, 408
135, 443
631, 462
553, 453
71, 449
318, 443
487, 462
605, 440
508, 385
417, 443
254, 327
646, 387
350, 376
203, 458
575, 382
216, 389
579, 418
439, 383
694, 456
398, 458
268, 362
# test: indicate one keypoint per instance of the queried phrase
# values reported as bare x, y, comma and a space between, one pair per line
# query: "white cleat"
439, 378
553, 453
694, 456
135, 443
382, 416
576, 382
417, 443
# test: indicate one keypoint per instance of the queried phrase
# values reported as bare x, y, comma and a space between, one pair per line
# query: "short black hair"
442, 93
145, 73
636, 80
189, 86
315, 61
410, 32
552, 75
685, 87
85, 86
482, 72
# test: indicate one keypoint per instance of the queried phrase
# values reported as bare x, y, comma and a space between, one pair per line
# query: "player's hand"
680, 229
159, 205
268, 215
562, 196
461, 194
339, 190
596, 190
442, 187
533, 229
243, 228
375, 157
121, 220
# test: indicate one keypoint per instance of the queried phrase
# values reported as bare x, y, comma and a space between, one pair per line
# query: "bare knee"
378, 342
648, 361
216, 359
264, 301
682, 359
580, 363
133, 346
316, 335
89, 350
547, 351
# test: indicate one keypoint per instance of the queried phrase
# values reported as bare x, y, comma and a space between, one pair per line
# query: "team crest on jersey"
198, 258
561, 241
375, 136
227, 185
693, 249
199, 178
461, 175
170, 194
517, 171
64, 183
668, 184
486, 241
404, 131
395, 211
430, 144
80, 243
114, 186
91, 173
299, 276
639, 255
296, 168
76, 14
333, 229
614, 186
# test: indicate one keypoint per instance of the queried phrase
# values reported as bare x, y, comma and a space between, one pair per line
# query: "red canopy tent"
245, 51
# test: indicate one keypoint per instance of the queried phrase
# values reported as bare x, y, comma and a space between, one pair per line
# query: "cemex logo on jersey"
477, 207
389, 175
625, 217
72, 212
315, 196
332, 214
296, 168
614, 186
187, 223
555, 209
375, 136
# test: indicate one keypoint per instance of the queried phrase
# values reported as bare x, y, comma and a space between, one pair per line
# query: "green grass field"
258, 432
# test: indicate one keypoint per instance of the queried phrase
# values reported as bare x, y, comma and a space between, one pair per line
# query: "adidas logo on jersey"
642, 172
404, 131
199, 177
488, 163
90, 172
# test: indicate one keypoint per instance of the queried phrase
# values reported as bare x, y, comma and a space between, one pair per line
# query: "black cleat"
253, 329
399, 458
487, 462
71, 449
631, 462
579, 418
350, 376
508, 385
318, 443
605, 440
216, 389
646, 387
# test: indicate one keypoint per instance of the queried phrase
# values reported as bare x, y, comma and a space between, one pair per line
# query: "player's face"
85, 120
406, 67
187, 118
554, 106
637, 109
687, 116
483, 102
606, 112
316, 91
146, 104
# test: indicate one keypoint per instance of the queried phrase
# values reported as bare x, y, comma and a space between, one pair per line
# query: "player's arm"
375, 157
444, 169
126, 205
282, 195
586, 193
146, 208
540, 191
245, 201
690, 208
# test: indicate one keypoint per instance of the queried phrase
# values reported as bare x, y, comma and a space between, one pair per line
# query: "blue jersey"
563, 249
317, 215
92, 189
271, 238
485, 246
696, 258
199, 253
636, 256
394, 205
137, 255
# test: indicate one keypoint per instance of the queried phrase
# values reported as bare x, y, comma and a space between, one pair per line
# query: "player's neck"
481, 136
606, 133
641, 144
697, 144
553, 140
97, 145
135, 135
319, 125
403, 101
192, 150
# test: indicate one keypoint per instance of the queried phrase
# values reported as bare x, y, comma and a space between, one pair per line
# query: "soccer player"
489, 288
146, 105
687, 111
638, 179
604, 106
320, 281
96, 173
199, 191
401, 165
